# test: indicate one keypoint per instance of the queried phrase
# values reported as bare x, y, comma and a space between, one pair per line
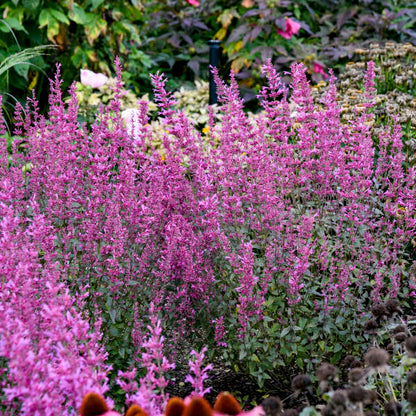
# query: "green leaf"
30, 4
94, 28
11, 23
53, 29
59, 16
79, 57
113, 315
22, 70
322, 345
308, 411
79, 16
44, 17
96, 3
285, 331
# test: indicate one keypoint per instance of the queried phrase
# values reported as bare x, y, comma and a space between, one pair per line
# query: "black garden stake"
214, 54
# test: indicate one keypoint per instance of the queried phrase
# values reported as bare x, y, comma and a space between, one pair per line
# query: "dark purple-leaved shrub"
280, 225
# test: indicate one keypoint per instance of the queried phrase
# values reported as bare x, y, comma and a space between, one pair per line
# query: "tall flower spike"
199, 373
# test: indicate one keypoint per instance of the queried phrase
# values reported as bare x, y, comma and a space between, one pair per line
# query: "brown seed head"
377, 358
371, 326
326, 372
175, 407
339, 398
392, 408
290, 412
410, 345
198, 407
356, 394
348, 360
379, 311
356, 364
226, 403
135, 410
355, 375
93, 405
400, 336
411, 396
272, 406
399, 328
392, 306
411, 378
301, 382
371, 397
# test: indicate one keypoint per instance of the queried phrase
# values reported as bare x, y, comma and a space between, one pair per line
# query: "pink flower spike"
193, 2
292, 28
92, 79
319, 69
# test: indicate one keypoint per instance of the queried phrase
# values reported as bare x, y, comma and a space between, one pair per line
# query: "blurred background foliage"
172, 36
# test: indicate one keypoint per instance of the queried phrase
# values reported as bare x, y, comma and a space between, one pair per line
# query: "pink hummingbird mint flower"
319, 69
95, 80
292, 28
193, 2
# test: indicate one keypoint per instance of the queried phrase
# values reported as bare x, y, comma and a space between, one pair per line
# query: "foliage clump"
266, 231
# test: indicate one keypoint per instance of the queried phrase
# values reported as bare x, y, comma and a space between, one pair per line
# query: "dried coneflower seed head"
301, 382
175, 407
93, 405
392, 306
328, 411
226, 403
399, 328
411, 378
290, 412
272, 406
410, 345
135, 410
356, 394
400, 336
339, 398
377, 358
371, 397
411, 396
355, 375
379, 311
326, 372
198, 407
371, 326
348, 360
392, 408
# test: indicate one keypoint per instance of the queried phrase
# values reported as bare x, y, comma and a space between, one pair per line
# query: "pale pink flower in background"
292, 28
93, 79
193, 2
319, 69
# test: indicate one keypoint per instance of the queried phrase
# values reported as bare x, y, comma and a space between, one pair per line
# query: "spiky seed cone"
135, 410
272, 406
392, 408
198, 407
175, 407
227, 403
411, 346
93, 405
